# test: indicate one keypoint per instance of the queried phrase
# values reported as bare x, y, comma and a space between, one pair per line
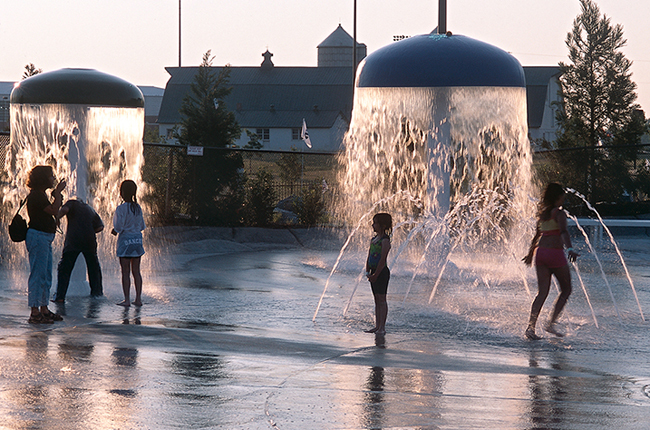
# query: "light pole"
354, 43
179, 33
442, 16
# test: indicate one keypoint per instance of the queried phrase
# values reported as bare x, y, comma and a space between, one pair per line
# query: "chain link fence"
4, 147
176, 180
614, 179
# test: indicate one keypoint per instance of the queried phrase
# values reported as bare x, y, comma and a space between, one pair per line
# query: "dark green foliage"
31, 70
205, 120
290, 168
151, 135
261, 199
214, 180
253, 141
154, 174
310, 207
598, 111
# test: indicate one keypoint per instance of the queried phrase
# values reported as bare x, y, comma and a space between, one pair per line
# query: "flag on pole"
304, 134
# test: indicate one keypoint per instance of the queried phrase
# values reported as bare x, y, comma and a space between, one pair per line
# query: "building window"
264, 134
4, 111
295, 133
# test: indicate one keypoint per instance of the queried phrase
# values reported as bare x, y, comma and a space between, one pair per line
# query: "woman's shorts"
380, 286
550, 257
129, 245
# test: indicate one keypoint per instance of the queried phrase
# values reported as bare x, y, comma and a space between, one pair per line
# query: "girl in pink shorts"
547, 250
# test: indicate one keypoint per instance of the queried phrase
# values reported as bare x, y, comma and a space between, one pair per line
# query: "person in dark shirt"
80, 238
40, 234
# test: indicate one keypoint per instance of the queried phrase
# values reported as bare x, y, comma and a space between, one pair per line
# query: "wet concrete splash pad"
226, 341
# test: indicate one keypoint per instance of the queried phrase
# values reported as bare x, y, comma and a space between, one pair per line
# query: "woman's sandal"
39, 319
53, 317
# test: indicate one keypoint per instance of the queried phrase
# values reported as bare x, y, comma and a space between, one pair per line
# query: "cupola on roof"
339, 37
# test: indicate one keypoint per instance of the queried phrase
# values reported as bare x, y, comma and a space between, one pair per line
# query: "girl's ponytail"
128, 190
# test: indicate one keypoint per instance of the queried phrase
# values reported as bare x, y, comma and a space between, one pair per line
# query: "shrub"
310, 207
260, 200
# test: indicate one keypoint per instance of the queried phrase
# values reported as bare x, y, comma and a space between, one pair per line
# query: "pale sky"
137, 39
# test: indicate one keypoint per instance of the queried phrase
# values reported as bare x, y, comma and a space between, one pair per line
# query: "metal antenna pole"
442, 16
354, 43
179, 33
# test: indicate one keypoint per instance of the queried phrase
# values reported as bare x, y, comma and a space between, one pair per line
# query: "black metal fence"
178, 182
4, 146
614, 179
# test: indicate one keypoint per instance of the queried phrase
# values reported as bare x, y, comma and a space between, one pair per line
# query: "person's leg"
36, 257
63, 272
563, 275
94, 274
125, 265
38, 249
544, 284
137, 280
381, 312
45, 298
47, 286
375, 328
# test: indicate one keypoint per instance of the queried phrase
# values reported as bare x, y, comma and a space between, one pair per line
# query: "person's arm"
98, 224
53, 208
564, 234
118, 222
385, 247
63, 211
528, 259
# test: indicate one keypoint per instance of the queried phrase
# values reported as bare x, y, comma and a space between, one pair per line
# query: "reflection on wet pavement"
228, 342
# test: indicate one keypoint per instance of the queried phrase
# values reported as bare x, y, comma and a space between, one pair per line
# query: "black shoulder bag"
18, 226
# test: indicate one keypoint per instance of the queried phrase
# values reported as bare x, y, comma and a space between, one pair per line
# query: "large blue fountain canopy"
439, 60
77, 86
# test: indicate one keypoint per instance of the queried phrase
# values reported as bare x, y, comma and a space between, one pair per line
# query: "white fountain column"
439, 156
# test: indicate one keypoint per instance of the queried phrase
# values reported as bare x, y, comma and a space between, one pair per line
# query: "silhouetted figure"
377, 270
547, 250
40, 235
80, 238
128, 224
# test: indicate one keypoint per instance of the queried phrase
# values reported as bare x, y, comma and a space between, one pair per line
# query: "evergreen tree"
213, 183
205, 120
31, 70
598, 108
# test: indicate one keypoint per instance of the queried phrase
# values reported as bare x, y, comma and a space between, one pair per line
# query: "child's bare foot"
124, 303
137, 303
550, 327
530, 334
372, 330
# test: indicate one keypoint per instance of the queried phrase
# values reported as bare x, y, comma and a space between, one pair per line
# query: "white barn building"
272, 101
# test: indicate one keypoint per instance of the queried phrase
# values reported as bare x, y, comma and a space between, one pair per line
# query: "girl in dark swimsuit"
377, 270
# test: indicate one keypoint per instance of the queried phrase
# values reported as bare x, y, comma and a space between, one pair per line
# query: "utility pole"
442, 16
179, 33
354, 43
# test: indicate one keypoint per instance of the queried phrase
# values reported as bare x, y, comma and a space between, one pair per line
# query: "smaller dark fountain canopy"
77, 86
440, 60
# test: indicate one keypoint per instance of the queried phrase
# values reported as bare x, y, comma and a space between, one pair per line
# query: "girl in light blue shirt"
128, 224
